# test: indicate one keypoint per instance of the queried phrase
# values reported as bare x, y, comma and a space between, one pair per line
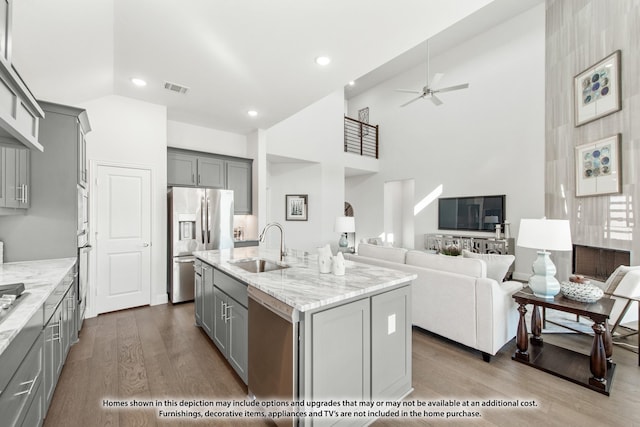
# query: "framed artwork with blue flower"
598, 167
597, 90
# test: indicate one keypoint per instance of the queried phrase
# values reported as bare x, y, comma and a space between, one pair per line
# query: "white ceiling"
234, 55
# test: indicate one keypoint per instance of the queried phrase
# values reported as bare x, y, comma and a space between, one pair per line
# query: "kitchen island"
306, 336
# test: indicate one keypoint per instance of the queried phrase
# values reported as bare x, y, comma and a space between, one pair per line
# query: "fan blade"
436, 79
408, 91
413, 100
450, 88
435, 99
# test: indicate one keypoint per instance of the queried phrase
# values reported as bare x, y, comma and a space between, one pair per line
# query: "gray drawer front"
15, 353
235, 289
16, 398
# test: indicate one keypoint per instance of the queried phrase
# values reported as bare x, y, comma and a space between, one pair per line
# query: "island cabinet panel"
341, 350
198, 291
52, 354
391, 344
221, 310
208, 300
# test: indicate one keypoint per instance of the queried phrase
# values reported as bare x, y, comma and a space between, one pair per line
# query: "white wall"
131, 132
198, 138
314, 134
488, 139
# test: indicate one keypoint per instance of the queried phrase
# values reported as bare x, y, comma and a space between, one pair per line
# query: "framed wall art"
296, 207
597, 90
598, 167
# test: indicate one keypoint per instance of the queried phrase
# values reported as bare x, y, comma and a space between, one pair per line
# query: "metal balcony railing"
360, 138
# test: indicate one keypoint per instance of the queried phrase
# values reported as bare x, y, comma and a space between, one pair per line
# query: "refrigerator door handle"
202, 223
208, 229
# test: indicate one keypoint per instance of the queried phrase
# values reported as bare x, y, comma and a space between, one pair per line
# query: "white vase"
338, 265
324, 259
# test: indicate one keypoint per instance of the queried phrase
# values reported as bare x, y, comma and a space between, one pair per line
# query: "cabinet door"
219, 336
341, 352
181, 169
391, 344
82, 158
49, 366
16, 177
5, 29
239, 180
211, 172
238, 324
3, 172
207, 299
198, 291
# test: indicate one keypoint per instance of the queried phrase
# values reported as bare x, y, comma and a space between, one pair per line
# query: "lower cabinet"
19, 400
198, 291
223, 317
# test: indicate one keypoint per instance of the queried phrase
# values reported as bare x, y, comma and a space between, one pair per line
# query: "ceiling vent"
173, 87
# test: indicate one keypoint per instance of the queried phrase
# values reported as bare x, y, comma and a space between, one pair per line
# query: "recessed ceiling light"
138, 82
351, 83
323, 60
252, 113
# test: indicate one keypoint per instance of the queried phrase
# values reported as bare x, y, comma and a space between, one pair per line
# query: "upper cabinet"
14, 178
196, 169
19, 111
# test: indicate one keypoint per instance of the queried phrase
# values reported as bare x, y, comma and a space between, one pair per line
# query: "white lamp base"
343, 242
543, 283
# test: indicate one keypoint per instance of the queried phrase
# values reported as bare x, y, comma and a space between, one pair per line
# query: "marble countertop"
302, 286
40, 278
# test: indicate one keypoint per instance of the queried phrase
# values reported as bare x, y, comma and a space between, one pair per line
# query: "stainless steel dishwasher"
273, 348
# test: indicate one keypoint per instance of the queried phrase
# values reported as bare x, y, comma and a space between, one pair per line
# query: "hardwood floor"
156, 353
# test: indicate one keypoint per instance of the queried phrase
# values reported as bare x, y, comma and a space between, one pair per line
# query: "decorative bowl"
581, 292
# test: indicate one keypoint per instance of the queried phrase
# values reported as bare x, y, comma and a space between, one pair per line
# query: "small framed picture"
598, 167
296, 207
597, 90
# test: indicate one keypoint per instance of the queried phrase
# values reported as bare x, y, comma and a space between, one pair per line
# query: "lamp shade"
345, 224
545, 234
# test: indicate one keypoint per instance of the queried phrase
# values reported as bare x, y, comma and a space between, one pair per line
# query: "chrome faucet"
264, 232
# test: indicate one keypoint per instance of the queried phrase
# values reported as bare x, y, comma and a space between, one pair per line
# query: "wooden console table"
594, 371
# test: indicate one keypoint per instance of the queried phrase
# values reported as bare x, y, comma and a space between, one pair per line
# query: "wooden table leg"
608, 343
536, 326
522, 343
598, 358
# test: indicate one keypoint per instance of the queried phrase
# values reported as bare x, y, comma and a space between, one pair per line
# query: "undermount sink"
258, 265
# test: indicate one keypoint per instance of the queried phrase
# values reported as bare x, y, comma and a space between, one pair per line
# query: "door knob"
145, 245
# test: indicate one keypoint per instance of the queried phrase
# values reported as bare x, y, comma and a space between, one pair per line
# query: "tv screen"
479, 213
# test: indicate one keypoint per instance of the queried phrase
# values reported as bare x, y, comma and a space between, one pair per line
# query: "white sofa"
453, 297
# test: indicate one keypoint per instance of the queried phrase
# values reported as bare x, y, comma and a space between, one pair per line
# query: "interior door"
123, 239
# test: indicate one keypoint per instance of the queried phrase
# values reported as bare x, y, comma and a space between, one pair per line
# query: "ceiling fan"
428, 91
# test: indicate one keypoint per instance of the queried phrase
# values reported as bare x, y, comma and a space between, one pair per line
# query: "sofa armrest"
497, 313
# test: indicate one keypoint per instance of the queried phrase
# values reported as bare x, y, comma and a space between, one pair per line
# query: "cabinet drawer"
15, 400
56, 296
235, 289
15, 353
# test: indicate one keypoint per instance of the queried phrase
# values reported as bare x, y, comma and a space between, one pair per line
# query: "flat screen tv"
478, 213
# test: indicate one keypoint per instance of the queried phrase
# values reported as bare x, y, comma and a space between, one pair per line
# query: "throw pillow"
497, 265
616, 277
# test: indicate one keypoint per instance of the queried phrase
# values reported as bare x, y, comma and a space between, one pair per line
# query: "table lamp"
544, 235
344, 225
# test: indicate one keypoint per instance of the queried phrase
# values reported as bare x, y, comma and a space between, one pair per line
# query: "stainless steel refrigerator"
199, 219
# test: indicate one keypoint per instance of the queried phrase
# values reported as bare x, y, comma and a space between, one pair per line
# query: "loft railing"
360, 138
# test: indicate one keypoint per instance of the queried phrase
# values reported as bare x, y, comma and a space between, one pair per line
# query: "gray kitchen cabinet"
19, 394
211, 172
208, 322
391, 344
198, 291
181, 169
5, 29
224, 315
199, 169
16, 177
239, 180
341, 332
83, 174
52, 354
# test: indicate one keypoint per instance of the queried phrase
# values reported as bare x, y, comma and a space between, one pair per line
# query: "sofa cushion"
497, 265
451, 264
616, 277
382, 252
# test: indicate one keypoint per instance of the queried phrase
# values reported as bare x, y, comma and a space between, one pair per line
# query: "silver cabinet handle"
26, 194
229, 316
31, 384
193, 178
